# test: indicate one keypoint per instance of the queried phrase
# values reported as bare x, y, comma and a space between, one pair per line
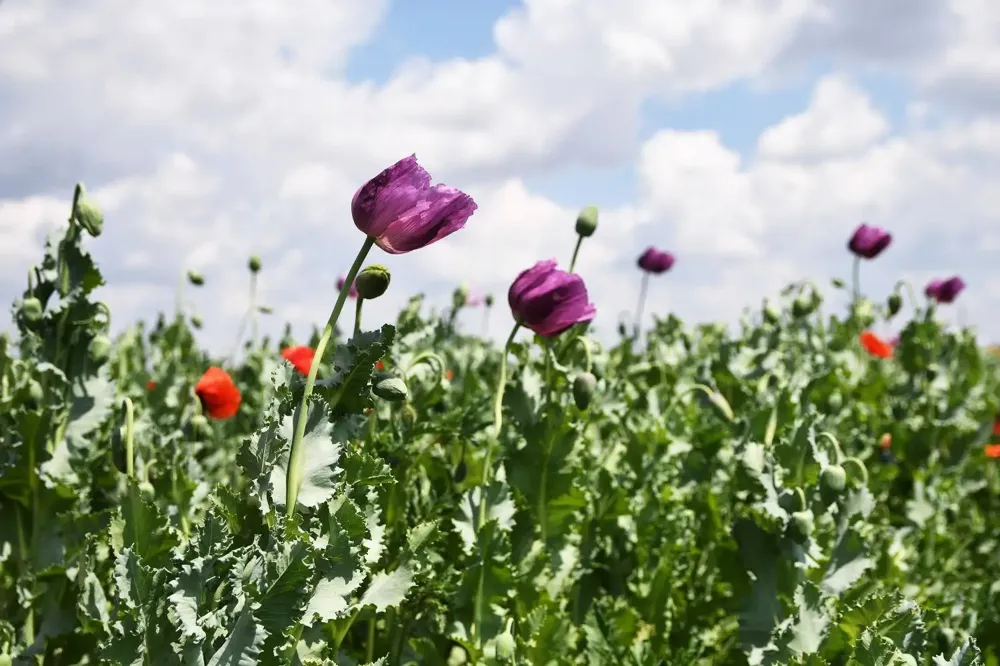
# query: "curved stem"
295, 456
357, 316
914, 303
836, 445
585, 343
860, 467
576, 252
642, 303
691, 389
427, 357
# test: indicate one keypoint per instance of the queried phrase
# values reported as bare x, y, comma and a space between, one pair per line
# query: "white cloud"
211, 132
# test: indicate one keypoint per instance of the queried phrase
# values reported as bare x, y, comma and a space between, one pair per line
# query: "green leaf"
243, 645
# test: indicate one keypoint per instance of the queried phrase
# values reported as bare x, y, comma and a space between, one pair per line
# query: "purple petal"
389, 195
441, 212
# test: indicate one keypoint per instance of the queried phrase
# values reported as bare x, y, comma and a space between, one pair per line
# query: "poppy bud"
31, 309
802, 306
196, 321
504, 644
457, 656
721, 406
35, 393
459, 297
99, 349
586, 221
800, 527
118, 450
895, 303
263, 309
461, 471
583, 389
792, 500
88, 215
772, 314
488, 300
622, 331
254, 264
147, 490
833, 479
389, 388
195, 278
372, 281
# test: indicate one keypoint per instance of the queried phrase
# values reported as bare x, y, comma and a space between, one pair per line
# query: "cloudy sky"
747, 136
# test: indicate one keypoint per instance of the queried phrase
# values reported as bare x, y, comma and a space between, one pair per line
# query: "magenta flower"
548, 300
868, 242
341, 281
945, 291
402, 211
655, 261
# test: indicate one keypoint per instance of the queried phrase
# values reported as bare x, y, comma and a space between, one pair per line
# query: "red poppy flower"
886, 441
300, 357
992, 450
218, 394
996, 427
150, 385
379, 365
875, 345
449, 374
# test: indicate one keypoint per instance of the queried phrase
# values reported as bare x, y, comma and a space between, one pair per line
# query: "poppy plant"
301, 357
652, 262
875, 345
868, 241
548, 300
945, 291
218, 394
402, 211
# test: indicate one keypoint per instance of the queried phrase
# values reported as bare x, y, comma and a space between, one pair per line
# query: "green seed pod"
88, 215
586, 221
583, 389
373, 280
99, 349
195, 278
389, 388
800, 527
792, 500
457, 656
31, 309
35, 393
118, 450
833, 478
196, 321
721, 406
254, 264
895, 303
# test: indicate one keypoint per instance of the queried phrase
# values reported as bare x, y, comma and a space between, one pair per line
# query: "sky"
748, 137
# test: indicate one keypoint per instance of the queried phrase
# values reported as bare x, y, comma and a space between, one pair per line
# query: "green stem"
836, 445
585, 343
129, 438
179, 305
296, 456
576, 252
339, 635
370, 650
357, 316
642, 302
856, 291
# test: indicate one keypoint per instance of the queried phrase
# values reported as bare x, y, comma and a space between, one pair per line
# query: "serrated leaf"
322, 444
387, 589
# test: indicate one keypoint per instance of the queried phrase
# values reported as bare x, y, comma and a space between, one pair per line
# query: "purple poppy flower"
402, 211
868, 242
548, 300
341, 281
945, 291
655, 261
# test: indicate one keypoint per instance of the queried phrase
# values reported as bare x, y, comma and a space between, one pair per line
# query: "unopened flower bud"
35, 393
389, 387
721, 406
504, 644
254, 264
771, 313
586, 221
833, 479
802, 306
86, 212
99, 349
459, 296
488, 300
31, 309
801, 525
792, 500
372, 281
195, 278
583, 389
263, 309
196, 321
895, 303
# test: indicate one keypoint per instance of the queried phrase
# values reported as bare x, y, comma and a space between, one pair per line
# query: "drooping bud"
459, 296
586, 221
254, 264
488, 300
801, 525
721, 406
35, 393
196, 321
195, 278
504, 644
792, 500
31, 309
772, 314
372, 281
99, 349
583, 389
833, 479
895, 302
87, 213
263, 309
802, 306
389, 387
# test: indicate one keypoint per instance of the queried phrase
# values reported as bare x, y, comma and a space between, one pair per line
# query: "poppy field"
796, 489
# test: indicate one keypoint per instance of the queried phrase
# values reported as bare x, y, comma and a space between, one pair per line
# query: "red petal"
218, 394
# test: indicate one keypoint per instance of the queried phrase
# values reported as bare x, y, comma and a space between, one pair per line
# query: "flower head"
150, 385
992, 450
300, 357
342, 280
656, 261
996, 427
218, 394
875, 345
868, 242
402, 211
945, 291
548, 300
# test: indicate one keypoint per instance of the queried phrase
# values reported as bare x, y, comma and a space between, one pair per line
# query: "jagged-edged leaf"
322, 444
499, 508
387, 589
244, 643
